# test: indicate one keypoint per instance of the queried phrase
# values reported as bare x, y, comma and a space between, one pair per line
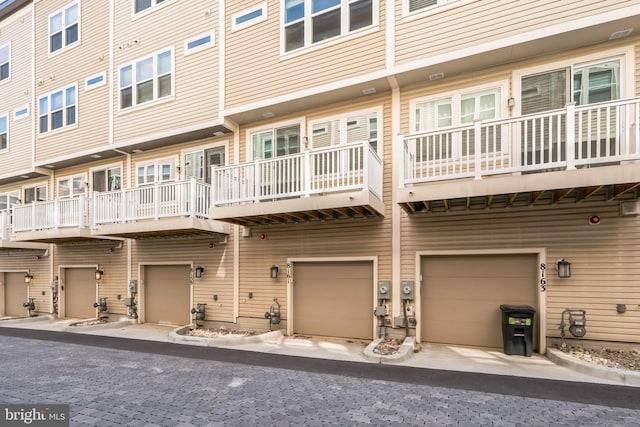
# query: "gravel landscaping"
219, 332
611, 358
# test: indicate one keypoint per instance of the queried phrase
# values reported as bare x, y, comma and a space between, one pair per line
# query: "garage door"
80, 293
461, 296
333, 299
167, 294
15, 294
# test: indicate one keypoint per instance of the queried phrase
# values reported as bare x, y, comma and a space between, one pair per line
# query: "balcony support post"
570, 137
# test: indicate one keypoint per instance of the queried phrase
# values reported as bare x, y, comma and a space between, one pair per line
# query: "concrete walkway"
428, 356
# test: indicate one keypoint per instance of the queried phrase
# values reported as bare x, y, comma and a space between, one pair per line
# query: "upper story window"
21, 112
34, 193
414, 5
198, 43
7, 200
4, 132
197, 164
146, 79
5, 56
287, 141
346, 129
95, 81
141, 5
72, 186
64, 27
311, 21
106, 179
155, 171
249, 17
58, 109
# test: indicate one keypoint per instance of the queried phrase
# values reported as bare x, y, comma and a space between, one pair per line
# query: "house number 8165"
543, 277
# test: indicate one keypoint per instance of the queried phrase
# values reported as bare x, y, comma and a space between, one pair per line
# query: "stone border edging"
404, 352
76, 327
177, 337
624, 376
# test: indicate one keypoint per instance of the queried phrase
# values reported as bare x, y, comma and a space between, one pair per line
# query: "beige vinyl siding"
604, 258
255, 69
73, 65
455, 27
111, 260
195, 100
39, 269
217, 262
15, 93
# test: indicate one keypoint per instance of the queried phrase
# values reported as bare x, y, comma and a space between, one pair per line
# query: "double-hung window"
4, 132
155, 171
142, 5
147, 79
58, 109
287, 141
5, 56
72, 186
307, 22
64, 27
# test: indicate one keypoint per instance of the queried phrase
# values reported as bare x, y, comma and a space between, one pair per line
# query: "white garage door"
333, 299
15, 294
461, 296
167, 294
80, 293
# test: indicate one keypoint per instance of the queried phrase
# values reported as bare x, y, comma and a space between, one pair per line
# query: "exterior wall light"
28, 278
99, 274
274, 271
199, 271
564, 268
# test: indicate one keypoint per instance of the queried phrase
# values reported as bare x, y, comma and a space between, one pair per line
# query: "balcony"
327, 183
159, 210
573, 154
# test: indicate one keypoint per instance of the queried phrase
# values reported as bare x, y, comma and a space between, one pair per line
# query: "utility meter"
133, 286
407, 288
384, 289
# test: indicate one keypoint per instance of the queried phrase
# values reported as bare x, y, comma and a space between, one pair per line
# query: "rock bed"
611, 358
220, 332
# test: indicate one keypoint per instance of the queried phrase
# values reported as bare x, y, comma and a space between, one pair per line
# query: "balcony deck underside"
57, 236
602, 184
164, 227
8, 244
357, 204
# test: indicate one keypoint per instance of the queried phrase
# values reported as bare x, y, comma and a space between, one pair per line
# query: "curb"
623, 376
177, 337
404, 352
72, 327
37, 318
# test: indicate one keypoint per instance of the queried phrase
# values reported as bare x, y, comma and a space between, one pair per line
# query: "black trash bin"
517, 329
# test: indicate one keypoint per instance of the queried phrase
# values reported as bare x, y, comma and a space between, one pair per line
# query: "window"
287, 141
155, 171
4, 132
198, 43
58, 109
95, 81
21, 112
64, 28
197, 164
35, 193
5, 56
596, 83
72, 186
147, 79
7, 200
413, 5
106, 179
142, 5
311, 21
249, 17
355, 127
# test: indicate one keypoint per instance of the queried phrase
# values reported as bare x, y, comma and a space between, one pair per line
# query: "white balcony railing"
173, 199
69, 212
354, 166
5, 223
573, 137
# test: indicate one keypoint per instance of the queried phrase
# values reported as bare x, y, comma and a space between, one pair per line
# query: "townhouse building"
367, 167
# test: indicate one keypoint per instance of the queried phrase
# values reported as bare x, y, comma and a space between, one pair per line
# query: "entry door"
167, 294
461, 296
15, 294
80, 293
333, 299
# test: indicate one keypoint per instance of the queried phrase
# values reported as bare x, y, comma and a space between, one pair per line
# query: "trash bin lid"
524, 309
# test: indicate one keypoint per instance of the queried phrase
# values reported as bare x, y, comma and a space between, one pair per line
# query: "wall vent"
630, 208
620, 34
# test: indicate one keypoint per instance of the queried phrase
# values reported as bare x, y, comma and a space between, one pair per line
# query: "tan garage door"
15, 294
333, 299
80, 293
167, 294
461, 296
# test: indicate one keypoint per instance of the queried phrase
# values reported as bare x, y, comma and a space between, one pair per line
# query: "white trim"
34, 184
6, 117
156, 162
252, 21
430, 10
212, 42
10, 62
272, 127
103, 80
148, 11
65, 126
105, 168
70, 178
541, 310
67, 46
290, 282
26, 114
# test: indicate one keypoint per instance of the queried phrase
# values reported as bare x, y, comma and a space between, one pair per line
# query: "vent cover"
630, 208
620, 34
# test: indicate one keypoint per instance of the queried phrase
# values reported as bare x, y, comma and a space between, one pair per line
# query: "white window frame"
262, 8
35, 186
624, 54
6, 46
65, 45
15, 194
202, 149
157, 170
134, 101
345, 33
17, 116
89, 85
65, 106
155, 5
71, 179
191, 50
272, 128
344, 125
5, 116
106, 169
